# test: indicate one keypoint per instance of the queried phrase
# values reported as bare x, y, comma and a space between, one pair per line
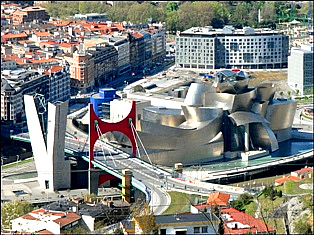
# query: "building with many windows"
53, 85
300, 69
81, 70
247, 48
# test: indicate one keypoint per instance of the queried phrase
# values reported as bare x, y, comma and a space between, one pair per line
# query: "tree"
172, 6
145, 218
13, 210
221, 229
243, 200
297, 91
302, 227
281, 94
172, 21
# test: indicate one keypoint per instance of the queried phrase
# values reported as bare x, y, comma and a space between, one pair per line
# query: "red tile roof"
256, 226
28, 217
304, 170
65, 44
54, 69
16, 35
220, 199
286, 178
43, 34
137, 35
69, 218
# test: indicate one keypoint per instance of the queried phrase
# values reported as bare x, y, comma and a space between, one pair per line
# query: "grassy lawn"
268, 205
276, 223
292, 187
18, 163
251, 208
180, 202
264, 181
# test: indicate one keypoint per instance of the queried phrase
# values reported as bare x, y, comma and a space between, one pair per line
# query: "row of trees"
185, 14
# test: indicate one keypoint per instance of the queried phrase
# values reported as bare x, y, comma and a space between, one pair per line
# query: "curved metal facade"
214, 119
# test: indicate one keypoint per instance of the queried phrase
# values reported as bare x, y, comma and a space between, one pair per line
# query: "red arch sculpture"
123, 126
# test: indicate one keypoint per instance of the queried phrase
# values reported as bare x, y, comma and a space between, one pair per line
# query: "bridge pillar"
93, 176
126, 185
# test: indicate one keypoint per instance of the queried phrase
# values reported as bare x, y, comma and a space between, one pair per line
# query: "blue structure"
105, 95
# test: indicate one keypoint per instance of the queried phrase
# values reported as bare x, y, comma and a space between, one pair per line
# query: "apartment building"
122, 45
300, 69
81, 70
29, 14
158, 37
105, 63
53, 84
59, 84
247, 48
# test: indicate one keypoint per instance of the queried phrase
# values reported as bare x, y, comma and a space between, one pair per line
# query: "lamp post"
17, 160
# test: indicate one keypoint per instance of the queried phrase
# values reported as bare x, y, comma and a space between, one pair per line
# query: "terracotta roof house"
282, 180
218, 198
41, 220
306, 171
236, 222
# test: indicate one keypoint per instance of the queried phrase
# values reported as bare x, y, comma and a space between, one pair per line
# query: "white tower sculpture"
54, 172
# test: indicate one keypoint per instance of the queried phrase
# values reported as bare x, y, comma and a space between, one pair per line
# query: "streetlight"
17, 160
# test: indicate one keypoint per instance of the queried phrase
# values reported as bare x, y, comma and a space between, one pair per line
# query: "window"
205, 229
197, 230
163, 231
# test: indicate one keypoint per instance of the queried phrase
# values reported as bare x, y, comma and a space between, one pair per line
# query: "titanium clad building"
300, 70
247, 48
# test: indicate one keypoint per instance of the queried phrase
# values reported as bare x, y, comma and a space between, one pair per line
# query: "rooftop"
237, 222
183, 218
218, 198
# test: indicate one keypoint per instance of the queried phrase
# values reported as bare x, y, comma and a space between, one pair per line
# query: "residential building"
237, 222
281, 181
8, 64
206, 223
158, 37
42, 220
30, 14
14, 37
147, 49
303, 173
300, 69
11, 102
105, 63
59, 84
82, 70
219, 199
137, 48
53, 85
247, 48
122, 46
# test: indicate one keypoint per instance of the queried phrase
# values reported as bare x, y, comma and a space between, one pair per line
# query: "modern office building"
92, 17
247, 48
300, 69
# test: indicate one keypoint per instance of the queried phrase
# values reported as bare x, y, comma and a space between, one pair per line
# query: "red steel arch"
123, 126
